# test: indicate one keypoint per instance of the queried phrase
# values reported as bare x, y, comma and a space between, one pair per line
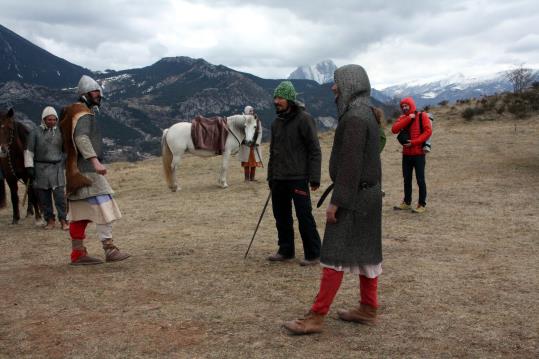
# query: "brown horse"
12, 145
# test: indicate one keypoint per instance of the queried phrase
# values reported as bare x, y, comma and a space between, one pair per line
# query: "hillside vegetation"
459, 281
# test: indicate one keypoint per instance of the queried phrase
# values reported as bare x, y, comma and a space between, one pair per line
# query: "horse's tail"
2, 193
166, 157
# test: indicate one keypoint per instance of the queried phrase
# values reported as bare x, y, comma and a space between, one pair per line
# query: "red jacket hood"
410, 102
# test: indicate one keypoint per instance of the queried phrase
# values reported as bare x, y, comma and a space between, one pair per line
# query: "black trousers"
283, 193
409, 163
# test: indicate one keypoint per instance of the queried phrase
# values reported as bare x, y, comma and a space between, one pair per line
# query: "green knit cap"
285, 90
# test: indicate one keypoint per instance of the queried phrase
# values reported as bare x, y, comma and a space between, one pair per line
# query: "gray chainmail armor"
355, 170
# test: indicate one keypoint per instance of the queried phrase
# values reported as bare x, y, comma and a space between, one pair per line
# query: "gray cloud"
395, 40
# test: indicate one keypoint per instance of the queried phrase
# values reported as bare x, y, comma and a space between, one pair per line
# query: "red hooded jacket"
416, 137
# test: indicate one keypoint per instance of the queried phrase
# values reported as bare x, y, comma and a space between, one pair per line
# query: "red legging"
330, 283
77, 229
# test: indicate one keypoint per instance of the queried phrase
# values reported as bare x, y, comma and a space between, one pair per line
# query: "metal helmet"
88, 84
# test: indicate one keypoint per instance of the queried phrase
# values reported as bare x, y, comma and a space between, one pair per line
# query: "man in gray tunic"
352, 239
44, 162
89, 192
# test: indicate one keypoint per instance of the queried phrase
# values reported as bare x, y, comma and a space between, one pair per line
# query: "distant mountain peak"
179, 59
23, 61
450, 88
322, 72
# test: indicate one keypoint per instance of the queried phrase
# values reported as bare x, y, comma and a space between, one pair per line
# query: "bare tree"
520, 77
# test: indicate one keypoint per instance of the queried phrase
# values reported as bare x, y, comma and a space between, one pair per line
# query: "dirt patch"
459, 281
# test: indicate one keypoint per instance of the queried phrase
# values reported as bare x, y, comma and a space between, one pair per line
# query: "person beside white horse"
177, 140
251, 156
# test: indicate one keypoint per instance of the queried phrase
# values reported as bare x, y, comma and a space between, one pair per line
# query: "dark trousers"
45, 200
409, 163
283, 193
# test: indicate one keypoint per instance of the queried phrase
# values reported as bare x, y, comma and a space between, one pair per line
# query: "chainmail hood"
354, 87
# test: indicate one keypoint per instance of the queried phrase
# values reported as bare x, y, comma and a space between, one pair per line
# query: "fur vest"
69, 118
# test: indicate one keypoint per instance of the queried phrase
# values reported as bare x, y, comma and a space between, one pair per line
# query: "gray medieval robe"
45, 146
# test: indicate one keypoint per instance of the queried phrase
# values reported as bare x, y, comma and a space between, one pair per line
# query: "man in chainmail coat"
89, 192
352, 239
44, 162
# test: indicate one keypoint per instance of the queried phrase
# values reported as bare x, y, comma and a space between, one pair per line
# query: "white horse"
177, 140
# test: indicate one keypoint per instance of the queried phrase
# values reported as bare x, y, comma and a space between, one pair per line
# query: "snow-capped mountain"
451, 88
322, 72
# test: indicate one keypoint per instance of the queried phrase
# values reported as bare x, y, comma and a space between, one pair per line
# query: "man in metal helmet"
89, 192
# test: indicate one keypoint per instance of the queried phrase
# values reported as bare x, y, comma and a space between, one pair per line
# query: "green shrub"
443, 103
468, 113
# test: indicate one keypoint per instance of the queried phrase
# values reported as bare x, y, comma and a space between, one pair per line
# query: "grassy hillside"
459, 281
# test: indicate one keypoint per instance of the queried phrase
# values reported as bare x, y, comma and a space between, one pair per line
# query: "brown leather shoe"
310, 324
278, 257
85, 259
364, 314
64, 225
112, 253
50, 224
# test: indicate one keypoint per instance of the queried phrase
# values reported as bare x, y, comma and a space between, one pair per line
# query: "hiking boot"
64, 225
309, 262
419, 209
402, 207
311, 323
364, 314
50, 225
278, 257
80, 257
112, 253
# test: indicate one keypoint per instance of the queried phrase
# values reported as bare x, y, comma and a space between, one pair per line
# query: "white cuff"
28, 158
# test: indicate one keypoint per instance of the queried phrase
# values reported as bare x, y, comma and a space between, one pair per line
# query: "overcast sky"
396, 41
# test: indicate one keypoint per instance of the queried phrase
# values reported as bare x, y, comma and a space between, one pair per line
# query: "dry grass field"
461, 280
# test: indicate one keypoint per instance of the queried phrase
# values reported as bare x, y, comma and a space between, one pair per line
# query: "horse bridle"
233, 134
240, 143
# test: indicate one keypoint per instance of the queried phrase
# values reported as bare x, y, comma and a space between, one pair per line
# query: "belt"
362, 186
50, 162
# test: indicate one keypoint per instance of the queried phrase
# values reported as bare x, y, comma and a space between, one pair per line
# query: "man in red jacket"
413, 156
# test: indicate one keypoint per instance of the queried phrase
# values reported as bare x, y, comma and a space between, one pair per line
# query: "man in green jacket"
294, 168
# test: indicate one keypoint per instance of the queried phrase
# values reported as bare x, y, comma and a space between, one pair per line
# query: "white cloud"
395, 41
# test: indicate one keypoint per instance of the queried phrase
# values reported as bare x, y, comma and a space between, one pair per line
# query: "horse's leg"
30, 206
33, 202
224, 169
13, 188
176, 159
2, 192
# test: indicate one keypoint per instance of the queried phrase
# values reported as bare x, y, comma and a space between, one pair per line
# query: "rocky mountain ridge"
139, 103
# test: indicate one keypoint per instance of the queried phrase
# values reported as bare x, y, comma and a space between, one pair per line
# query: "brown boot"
80, 257
50, 224
112, 253
311, 323
364, 314
64, 225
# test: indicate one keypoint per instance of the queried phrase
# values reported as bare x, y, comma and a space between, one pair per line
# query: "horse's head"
251, 129
7, 126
